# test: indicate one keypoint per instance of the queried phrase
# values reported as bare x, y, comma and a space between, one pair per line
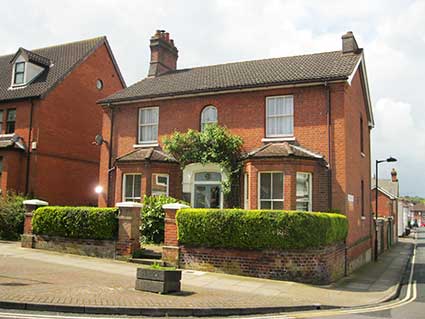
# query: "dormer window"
19, 73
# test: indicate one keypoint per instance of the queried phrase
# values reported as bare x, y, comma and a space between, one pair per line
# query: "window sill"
278, 139
145, 145
363, 154
363, 218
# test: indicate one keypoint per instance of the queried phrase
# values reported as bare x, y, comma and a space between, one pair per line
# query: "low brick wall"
317, 266
85, 247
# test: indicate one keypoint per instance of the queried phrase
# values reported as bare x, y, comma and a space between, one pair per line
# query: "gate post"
171, 250
27, 239
128, 228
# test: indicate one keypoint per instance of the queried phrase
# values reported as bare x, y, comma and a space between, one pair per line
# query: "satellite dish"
98, 140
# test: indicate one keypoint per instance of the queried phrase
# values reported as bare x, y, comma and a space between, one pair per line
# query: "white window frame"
168, 183
271, 200
203, 121
310, 188
139, 135
246, 191
195, 183
132, 198
291, 115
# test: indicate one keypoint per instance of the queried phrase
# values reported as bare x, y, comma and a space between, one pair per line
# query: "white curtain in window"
148, 125
280, 115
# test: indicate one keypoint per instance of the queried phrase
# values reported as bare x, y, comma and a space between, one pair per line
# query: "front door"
207, 190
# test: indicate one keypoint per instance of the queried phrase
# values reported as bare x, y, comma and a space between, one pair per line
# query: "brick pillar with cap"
27, 240
128, 228
170, 250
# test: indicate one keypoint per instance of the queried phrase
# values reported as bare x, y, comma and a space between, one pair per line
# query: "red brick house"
305, 121
49, 118
388, 203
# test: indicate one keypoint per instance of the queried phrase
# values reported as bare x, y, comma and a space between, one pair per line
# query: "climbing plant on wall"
215, 144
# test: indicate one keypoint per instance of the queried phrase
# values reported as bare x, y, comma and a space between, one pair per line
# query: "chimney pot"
394, 175
167, 36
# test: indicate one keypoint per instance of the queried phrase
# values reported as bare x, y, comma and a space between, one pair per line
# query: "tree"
215, 144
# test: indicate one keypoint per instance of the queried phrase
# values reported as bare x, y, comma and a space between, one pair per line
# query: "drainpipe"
329, 124
27, 177
110, 170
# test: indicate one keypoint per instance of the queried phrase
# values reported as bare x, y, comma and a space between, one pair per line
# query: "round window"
99, 84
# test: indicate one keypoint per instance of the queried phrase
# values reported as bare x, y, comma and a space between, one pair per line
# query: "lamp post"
389, 159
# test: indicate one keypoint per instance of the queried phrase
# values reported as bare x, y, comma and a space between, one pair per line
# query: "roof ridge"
56, 45
246, 61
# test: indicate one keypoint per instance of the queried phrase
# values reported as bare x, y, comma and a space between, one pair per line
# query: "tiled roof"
420, 207
146, 154
387, 185
11, 141
63, 57
258, 73
34, 57
284, 149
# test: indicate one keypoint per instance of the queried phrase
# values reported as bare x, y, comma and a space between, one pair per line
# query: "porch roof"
11, 141
283, 149
146, 154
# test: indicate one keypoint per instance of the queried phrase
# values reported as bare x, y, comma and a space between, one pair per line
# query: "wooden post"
170, 250
27, 239
128, 228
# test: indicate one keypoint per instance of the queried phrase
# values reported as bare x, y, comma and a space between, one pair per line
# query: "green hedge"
76, 222
259, 229
12, 214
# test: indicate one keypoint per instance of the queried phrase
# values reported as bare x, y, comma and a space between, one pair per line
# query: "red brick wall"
386, 205
357, 166
318, 266
65, 165
14, 161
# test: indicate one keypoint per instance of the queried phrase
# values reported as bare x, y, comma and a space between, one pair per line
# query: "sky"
391, 32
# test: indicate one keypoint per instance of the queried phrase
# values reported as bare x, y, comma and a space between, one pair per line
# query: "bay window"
280, 116
304, 191
132, 187
148, 125
160, 184
271, 190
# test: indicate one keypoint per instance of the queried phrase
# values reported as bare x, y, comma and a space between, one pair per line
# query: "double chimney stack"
164, 54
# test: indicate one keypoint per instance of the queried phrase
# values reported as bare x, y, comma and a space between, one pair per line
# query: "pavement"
42, 280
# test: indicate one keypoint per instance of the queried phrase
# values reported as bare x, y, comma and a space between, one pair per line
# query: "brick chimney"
163, 54
349, 43
394, 175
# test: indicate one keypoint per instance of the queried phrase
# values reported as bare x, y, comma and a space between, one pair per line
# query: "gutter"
27, 177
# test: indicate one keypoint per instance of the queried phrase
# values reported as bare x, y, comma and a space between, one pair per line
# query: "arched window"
208, 116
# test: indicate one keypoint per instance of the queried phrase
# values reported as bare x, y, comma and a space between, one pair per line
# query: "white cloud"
398, 134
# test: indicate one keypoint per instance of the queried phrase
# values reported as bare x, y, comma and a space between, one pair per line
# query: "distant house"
49, 118
418, 214
305, 121
388, 197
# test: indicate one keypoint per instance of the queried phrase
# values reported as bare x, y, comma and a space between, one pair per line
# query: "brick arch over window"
209, 115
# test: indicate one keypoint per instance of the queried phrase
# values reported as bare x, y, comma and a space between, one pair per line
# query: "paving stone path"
35, 276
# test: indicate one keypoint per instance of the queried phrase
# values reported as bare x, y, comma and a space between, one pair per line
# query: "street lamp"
389, 160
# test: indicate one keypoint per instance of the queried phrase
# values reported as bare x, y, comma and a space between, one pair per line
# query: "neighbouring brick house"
305, 121
417, 214
49, 118
388, 204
